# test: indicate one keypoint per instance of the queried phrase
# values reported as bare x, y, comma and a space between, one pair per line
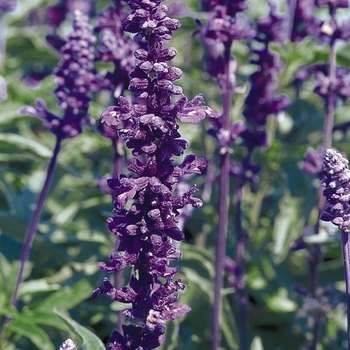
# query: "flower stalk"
147, 202
73, 79
336, 185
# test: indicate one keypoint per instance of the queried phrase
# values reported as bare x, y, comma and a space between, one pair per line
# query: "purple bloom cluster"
261, 100
57, 13
147, 204
115, 47
313, 162
340, 86
337, 189
74, 81
225, 24
8, 5
304, 23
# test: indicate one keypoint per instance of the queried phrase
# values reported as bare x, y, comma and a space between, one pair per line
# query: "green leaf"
202, 283
257, 344
89, 339
68, 297
46, 318
229, 326
20, 143
24, 327
36, 286
280, 301
322, 237
288, 226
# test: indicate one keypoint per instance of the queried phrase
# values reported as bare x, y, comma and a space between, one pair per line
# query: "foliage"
73, 236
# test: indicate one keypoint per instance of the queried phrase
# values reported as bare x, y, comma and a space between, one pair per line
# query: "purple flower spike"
304, 23
337, 189
261, 100
74, 79
8, 5
148, 203
115, 47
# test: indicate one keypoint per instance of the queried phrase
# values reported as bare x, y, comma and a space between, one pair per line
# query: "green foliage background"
55, 299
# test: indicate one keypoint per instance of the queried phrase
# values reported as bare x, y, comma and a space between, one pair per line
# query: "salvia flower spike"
337, 189
337, 193
147, 203
74, 75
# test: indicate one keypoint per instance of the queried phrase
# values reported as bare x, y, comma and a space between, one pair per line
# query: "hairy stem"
242, 298
118, 168
315, 251
346, 261
35, 220
224, 189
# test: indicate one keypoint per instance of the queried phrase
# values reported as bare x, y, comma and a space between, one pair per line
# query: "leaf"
46, 318
89, 339
257, 344
229, 326
288, 226
36, 286
65, 216
68, 297
28, 329
202, 283
20, 143
322, 237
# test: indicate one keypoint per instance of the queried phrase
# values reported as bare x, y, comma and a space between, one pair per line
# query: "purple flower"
333, 3
3, 89
337, 189
68, 345
74, 80
56, 14
261, 100
340, 87
114, 46
233, 6
304, 23
225, 28
8, 5
313, 162
148, 203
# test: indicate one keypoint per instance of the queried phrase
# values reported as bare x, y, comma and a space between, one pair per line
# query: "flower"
68, 345
313, 162
304, 23
114, 46
74, 79
8, 5
147, 203
337, 189
261, 100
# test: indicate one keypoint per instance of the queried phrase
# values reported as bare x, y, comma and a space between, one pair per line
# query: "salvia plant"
146, 111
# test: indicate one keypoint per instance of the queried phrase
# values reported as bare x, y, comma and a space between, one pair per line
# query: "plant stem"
315, 251
242, 298
3, 28
35, 220
346, 261
224, 189
330, 101
118, 168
